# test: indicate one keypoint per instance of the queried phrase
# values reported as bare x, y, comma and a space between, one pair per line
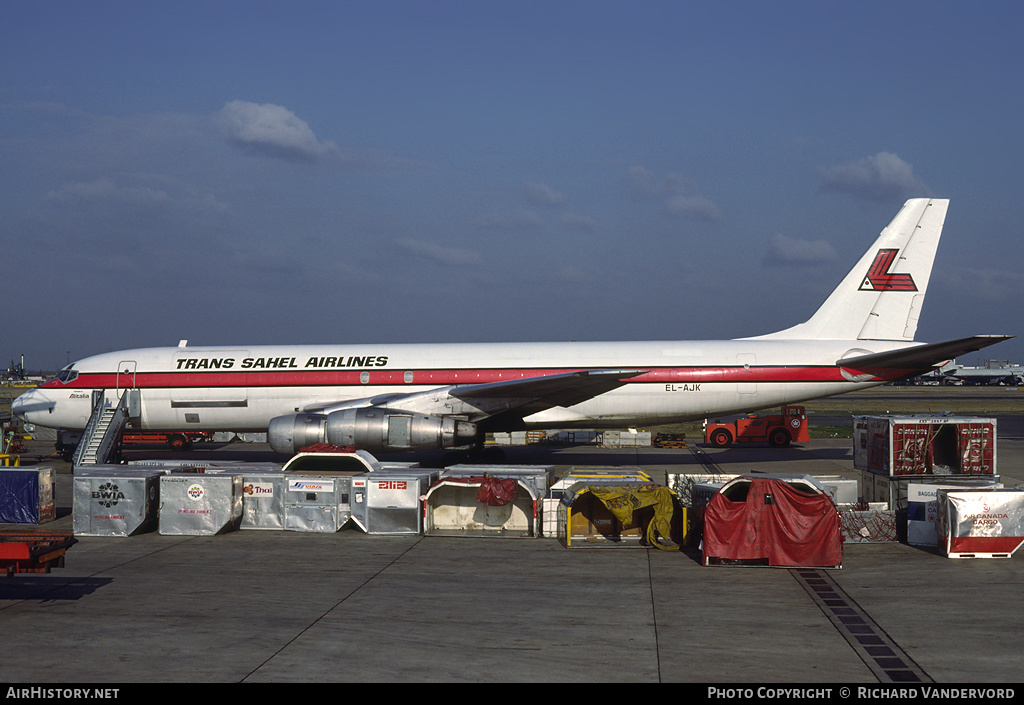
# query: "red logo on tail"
879, 278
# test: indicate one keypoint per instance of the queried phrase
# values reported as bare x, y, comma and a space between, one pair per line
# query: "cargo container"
924, 445
539, 477
983, 523
619, 512
263, 499
922, 507
27, 495
893, 491
467, 505
387, 501
115, 502
317, 503
772, 520
200, 504
625, 439
550, 526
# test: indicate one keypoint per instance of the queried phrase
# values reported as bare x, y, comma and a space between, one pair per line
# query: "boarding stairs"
101, 434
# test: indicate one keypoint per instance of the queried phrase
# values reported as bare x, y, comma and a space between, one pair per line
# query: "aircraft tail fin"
881, 297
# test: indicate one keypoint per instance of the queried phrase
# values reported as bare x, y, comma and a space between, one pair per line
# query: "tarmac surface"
292, 607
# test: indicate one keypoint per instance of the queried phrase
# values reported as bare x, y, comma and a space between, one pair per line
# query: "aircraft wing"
922, 356
564, 389
530, 395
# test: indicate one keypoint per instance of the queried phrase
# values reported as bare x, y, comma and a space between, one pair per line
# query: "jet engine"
371, 429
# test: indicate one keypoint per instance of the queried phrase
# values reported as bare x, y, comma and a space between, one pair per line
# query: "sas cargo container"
897, 446
317, 503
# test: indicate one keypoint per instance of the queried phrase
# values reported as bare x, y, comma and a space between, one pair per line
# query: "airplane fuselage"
242, 388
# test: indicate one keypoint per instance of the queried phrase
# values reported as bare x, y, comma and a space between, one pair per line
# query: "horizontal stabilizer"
922, 356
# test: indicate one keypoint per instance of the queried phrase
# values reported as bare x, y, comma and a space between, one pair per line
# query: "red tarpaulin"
775, 524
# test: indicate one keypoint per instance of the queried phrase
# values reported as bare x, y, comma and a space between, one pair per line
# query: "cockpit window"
68, 374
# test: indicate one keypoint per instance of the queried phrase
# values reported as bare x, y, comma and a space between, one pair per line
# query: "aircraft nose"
25, 405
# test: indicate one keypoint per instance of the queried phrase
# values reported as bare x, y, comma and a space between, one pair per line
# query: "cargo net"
863, 525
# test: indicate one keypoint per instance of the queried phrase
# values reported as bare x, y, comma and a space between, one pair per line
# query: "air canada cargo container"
27, 495
115, 503
200, 504
898, 446
922, 505
981, 523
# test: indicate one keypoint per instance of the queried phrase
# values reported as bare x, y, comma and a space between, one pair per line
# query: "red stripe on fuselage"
377, 377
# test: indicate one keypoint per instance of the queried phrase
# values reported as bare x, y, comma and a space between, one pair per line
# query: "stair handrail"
110, 433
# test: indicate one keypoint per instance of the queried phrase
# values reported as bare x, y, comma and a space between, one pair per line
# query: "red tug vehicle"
775, 429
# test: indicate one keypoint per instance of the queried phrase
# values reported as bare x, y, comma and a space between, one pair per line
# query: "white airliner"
384, 398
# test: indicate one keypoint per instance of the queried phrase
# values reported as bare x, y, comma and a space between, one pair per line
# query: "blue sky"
395, 171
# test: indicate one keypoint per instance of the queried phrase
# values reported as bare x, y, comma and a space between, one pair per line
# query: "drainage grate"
887, 661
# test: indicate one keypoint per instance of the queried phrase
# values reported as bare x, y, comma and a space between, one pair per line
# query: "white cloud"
519, 219
543, 195
577, 221
882, 177
681, 204
272, 130
985, 284
673, 190
444, 255
789, 250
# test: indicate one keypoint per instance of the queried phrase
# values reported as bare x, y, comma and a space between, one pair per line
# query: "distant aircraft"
1004, 374
385, 398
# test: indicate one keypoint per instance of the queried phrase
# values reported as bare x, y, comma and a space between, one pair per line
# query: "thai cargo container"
263, 499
